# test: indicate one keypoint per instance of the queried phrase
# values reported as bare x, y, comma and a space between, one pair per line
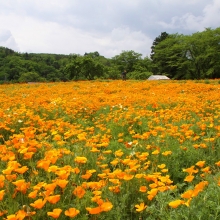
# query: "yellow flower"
80, 160
166, 153
176, 203
155, 152
161, 166
141, 207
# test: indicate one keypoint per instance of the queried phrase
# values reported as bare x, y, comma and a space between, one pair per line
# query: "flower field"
110, 150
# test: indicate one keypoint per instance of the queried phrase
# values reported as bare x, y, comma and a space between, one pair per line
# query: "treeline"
177, 56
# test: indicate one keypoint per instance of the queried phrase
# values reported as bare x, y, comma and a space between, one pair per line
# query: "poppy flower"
53, 199
55, 213
94, 211
176, 203
33, 194
2, 193
21, 185
11, 217
72, 212
62, 183
21, 170
38, 204
80, 160
79, 192
106, 206
152, 193
2, 182
143, 189
200, 164
188, 194
189, 178
141, 207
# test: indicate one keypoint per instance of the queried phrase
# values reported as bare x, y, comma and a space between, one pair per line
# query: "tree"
91, 69
30, 77
203, 53
157, 40
195, 56
127, 60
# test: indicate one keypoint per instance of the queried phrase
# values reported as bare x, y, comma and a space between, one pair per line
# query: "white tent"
157, 77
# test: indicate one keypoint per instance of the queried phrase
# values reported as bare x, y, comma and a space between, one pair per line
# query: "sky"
106, 26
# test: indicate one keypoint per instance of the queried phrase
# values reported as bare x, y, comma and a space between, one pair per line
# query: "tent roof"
157, 77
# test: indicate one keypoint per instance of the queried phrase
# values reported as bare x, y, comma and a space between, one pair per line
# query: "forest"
178, 56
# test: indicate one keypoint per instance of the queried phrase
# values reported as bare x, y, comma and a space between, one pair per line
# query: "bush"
139, 75
30, 77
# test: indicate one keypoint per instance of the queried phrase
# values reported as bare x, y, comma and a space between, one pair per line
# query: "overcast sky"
106, 26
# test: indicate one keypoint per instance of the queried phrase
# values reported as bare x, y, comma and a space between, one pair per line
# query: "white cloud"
75, 26
209, 17
7, 40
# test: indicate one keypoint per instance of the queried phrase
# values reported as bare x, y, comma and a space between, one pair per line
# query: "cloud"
7, 40
108, 27
208, 17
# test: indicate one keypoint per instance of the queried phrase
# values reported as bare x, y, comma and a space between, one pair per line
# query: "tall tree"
127, 60
157, 40
195, 56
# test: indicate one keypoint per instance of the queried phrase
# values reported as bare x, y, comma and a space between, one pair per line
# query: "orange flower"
161, 166
176, 203
62, 183
28, 155
55, 214
190, 170
152, 193
166, 153
188, 194
53, 199
155, 152
128, 177
103, 207
189, 178
21, 214
141, 207
2, 213
44, 164
106, 206
79, 192
21, 185
119, 153
2, 193
143, 189
200, 163
50, 187
80, 160
218, 163
2, 181
72, 212
21, 170
115, 189
206, 170
86, 176
11, 217
38, 204
33, 194
94, 211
